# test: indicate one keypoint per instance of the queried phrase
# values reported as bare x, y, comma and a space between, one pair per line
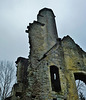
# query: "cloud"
15, 15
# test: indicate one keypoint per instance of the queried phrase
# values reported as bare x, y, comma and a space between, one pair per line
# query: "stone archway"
80, 78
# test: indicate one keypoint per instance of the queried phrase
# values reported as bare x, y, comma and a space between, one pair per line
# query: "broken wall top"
42, 33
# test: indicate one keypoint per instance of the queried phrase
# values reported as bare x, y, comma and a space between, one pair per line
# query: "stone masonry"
53, 64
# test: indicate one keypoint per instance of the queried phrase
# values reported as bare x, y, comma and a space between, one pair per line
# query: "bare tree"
80, 85
81, 96
7, 72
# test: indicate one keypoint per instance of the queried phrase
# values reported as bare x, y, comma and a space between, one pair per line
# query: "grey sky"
15, 15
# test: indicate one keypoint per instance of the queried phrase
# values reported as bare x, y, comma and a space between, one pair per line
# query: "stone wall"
75, 63
19, 88
53, 66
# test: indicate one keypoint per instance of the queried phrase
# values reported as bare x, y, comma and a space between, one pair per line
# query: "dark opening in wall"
54, 99
18, 94
33, 96
55, 80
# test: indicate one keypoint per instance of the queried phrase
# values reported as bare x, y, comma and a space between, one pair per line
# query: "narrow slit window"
54, 76
55, 80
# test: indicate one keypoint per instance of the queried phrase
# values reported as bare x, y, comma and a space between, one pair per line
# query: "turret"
42, 34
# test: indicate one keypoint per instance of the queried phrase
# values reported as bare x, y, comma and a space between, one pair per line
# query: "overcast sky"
15, 15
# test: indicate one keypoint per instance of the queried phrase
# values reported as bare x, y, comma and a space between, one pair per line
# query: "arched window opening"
55, 80
81, 85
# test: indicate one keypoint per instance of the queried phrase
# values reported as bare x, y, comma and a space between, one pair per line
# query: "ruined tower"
53, 64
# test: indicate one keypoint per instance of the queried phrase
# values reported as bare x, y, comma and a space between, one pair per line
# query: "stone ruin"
53, 65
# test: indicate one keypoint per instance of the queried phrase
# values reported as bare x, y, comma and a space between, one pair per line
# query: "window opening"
55, 80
